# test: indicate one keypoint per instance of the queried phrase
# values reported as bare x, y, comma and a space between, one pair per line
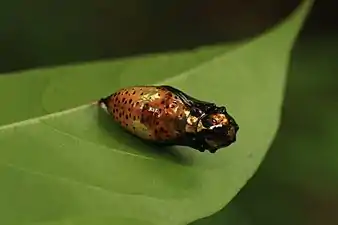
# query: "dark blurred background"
298, 181
44, 33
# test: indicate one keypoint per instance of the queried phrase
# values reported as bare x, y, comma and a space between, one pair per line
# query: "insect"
167, 116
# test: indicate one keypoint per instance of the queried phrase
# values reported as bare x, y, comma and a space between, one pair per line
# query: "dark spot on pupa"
120, 115
134, 128
157, 123
141, 93
126, 117
163, 130
175, 97
162, 102
134, 92
126, 92
134, 117
129, 109
130, 100
156, 131
123, 99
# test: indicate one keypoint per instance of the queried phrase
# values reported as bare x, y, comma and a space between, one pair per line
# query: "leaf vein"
67, 134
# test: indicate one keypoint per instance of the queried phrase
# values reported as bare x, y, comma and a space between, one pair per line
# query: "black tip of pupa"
104, 101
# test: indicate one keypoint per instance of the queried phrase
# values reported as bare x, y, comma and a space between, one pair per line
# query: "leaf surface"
78, 167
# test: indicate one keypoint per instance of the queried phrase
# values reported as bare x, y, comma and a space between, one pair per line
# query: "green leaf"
78, 167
